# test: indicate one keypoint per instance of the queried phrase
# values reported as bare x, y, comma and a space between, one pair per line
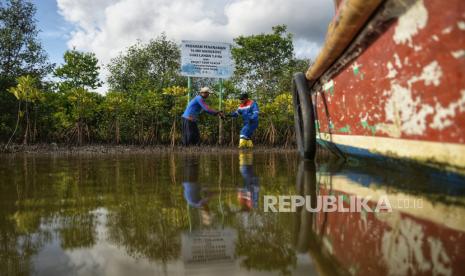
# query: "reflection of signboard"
206, 59
209, 246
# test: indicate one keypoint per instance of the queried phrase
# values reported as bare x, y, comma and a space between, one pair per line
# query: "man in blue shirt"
249, 112
190, 130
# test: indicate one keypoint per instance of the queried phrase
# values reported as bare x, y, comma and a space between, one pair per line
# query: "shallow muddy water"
204, 214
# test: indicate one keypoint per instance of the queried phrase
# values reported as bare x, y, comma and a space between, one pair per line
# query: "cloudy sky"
106, 27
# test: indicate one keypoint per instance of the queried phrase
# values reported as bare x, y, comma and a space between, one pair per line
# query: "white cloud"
304, 48
87, 14
307, 19
106, 27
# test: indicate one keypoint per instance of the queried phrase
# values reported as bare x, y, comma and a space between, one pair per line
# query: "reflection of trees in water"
24, 233
63, 201
265, 243
20, 240
35, 205
77, 230
146, 229
47, 198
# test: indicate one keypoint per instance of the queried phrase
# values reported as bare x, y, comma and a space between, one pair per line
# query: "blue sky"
55, 30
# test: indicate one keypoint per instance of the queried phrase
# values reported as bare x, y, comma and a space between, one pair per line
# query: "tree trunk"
79, 132
141, 132
117, 134
17, 124
173, 134
26, 133
34, 133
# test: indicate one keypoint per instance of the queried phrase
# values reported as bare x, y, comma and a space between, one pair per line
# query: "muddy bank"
116, 149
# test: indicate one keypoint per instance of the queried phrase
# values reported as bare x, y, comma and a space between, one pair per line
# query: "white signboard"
206, 59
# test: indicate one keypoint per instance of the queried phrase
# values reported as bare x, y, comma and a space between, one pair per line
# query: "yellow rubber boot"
245, 159
249, 144
242, 143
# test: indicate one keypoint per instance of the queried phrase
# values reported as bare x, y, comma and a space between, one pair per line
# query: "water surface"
202, 214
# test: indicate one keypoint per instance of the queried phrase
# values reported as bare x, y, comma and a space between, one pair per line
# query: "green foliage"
26, 90
20, 54
280, 108
278, 120
116, 108
114, 101
264, 68
148, 73
20, 51
77, 117
80, 70
261, 60
149, 116
82, 103
144, 67
178, 96
175, 91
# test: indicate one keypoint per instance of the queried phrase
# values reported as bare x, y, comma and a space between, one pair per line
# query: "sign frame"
206, 59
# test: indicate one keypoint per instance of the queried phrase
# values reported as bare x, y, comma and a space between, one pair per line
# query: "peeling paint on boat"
410, 110
392, 72
406, 61
329, 86
458, 54
461, 25
444, 115
356, 68
431, 74
397, 61
447, 30
410, 23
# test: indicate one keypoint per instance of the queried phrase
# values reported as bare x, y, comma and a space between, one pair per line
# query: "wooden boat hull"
399, 89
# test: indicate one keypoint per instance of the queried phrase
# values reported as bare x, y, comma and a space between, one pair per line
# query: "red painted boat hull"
403, 94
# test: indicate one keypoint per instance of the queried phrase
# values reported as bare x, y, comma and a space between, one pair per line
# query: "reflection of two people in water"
213, 244
198, 196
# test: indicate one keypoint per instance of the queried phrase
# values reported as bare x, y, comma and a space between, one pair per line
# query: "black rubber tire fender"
304, 117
